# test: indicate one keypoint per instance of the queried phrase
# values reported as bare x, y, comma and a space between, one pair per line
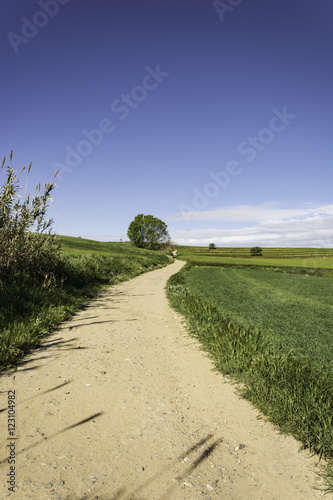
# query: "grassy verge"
31, 307
295, 395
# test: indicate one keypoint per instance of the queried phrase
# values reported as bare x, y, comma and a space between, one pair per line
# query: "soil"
121, 403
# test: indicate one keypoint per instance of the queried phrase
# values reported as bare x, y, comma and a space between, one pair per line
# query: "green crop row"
296, 394
309, 260
192, 251
295, 310
308, 265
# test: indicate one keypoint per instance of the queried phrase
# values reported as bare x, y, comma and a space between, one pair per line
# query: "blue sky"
216, 117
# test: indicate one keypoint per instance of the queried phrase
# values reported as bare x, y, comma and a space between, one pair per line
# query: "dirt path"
121, 404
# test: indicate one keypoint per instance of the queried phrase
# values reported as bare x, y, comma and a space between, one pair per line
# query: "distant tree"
256, 251
212, 246
146, 231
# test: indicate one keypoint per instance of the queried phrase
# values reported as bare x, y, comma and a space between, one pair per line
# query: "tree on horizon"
147, 231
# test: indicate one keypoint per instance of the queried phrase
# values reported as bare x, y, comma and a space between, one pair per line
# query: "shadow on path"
81, 422
123, 494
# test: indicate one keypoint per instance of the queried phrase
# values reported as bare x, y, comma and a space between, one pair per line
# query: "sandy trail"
120, 403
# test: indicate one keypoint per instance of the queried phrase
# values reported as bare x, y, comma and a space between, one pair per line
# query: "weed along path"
120, 403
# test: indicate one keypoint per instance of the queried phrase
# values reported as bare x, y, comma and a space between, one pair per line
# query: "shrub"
256, 251
27, 245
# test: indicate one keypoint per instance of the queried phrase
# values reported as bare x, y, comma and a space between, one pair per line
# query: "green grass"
307, 258
224, 309
295, 310
73, 245
31, 307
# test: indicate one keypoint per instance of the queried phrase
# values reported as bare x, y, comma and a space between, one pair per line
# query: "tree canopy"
256, 251
147, 231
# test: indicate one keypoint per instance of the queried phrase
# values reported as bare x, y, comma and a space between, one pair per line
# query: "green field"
307, 258
82, 246
295, 310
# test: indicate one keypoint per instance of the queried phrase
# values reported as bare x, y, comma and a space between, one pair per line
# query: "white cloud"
254, 213
310, 226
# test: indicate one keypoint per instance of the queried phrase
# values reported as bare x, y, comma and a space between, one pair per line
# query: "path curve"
120, 403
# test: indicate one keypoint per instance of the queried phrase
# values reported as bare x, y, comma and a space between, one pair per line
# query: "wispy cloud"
271, 225
255, 213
